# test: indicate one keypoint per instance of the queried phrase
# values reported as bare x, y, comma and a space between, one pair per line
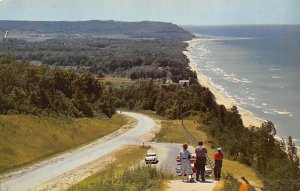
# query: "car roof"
151, 153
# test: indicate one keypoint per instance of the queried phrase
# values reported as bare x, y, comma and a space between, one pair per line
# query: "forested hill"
144, 29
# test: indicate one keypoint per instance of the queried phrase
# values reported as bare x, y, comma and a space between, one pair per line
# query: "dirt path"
167, 153
72, 163
178, 185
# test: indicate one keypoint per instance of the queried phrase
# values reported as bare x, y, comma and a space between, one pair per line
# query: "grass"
219, 186
122, 174
138, 178
25, 139
237, 170
172, 132
117, 82
230, 183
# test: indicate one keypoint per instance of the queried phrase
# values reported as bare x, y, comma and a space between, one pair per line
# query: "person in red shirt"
218, 163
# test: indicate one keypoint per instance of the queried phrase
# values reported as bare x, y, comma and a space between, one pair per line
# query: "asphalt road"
30, 180
167, 153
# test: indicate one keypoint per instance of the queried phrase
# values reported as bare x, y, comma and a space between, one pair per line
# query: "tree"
292, 151
100, 74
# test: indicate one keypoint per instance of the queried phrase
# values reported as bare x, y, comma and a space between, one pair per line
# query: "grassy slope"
178, 135
125, 158
24, 139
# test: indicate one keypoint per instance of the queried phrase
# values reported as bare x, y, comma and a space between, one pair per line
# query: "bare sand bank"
248, 117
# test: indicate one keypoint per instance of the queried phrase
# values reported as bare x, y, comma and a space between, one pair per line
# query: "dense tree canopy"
41, 89
134, 58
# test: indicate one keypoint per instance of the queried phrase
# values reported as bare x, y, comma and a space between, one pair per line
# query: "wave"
284, 113
251, 98
296, 140
242, 102
231, 77
236, 80
279, 112
275, 69
213, 38
268, 112
256, 106
276, 77
219, 87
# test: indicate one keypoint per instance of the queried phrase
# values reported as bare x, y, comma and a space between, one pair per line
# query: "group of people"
201, 160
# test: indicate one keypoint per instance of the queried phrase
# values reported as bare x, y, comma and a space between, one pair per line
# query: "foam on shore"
221, 98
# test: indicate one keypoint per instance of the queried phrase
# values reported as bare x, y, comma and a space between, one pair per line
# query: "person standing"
218, 163
186, 167
201, 153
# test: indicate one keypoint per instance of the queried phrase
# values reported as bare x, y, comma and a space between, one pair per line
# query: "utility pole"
181, 115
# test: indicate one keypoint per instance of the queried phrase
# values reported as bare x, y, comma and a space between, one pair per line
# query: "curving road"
30, 180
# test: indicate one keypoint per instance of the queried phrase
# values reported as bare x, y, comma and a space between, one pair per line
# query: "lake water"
258, 67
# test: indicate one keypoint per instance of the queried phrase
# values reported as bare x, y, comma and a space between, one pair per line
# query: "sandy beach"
248, 117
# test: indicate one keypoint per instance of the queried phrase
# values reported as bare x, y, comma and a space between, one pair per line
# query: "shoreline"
249, 119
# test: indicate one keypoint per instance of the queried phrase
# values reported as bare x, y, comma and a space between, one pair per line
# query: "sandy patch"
151, 134
178, 185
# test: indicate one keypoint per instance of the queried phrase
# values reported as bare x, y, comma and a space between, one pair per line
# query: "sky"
182, 12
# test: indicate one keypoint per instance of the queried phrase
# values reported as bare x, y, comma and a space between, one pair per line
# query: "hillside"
26, 138
145, 29
37, 90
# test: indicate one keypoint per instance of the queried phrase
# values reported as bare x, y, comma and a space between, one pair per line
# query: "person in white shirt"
186, 167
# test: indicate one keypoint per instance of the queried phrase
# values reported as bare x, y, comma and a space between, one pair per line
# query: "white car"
151, 158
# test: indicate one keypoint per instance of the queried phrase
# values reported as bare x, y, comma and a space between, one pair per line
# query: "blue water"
256, 66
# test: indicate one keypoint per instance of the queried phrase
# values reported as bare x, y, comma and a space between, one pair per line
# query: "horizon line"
182, 25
